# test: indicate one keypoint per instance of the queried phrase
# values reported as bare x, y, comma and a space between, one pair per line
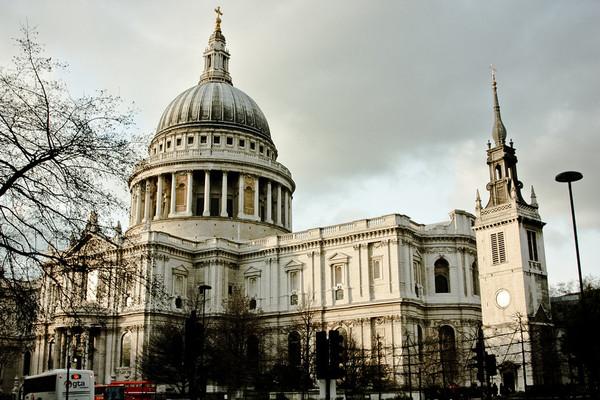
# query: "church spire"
216, 56
498, 130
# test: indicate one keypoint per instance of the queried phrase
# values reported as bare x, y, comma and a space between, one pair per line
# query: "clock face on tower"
502, 298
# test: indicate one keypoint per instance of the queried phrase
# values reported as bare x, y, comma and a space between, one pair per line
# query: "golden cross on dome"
219, 13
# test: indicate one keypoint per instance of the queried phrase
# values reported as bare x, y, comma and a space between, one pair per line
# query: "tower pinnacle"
498, 130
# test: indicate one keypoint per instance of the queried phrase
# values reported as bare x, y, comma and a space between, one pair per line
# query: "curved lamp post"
568, 177
203, 289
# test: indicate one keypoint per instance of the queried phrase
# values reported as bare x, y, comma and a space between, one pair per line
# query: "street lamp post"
568, 177
203, 289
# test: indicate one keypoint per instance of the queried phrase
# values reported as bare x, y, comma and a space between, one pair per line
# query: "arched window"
447, 340
180, 192
442, 276
475, 277
294, 349
126, 350
498, 172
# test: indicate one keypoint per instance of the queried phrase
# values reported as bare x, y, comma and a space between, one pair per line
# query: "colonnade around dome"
211, 193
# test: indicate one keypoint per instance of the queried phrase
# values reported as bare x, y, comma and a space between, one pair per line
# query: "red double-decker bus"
126, 390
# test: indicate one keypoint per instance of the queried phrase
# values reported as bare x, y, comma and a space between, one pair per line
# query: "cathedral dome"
214, 103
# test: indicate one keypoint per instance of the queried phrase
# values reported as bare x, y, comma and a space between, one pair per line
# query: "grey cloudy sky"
375, 106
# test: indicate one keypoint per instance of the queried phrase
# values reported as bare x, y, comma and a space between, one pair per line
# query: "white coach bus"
52, 385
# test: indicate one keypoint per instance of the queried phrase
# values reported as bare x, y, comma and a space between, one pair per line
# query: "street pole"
67, 383
519, 316
203, 289
568, 177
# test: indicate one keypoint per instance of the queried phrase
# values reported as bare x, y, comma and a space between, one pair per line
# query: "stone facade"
212, 206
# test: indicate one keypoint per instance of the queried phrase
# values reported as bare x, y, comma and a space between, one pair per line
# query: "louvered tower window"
498, 248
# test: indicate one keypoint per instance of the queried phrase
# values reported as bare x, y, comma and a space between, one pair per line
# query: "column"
241, 196
190, 193
256, 201
147, 200
269, 205
206, 212
138, 203
290, 212
278, 204
286, 205
132, 211
224, 195
173, 195
159, 197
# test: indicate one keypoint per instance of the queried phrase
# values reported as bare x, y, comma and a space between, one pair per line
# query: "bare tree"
61, 157
305, 324
233, 345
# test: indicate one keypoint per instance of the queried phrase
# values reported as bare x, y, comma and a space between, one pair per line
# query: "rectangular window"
294, 281
229, 141
532, 244
498, 248
160, 147
376, 268
242, 143
252, 145
217, 139
179, 142
168, 144
190, 140
178, 285
252, 287
261, 148
337, 275
203, 139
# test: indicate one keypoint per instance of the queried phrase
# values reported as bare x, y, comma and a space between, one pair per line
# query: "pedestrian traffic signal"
478, 360
322, 355
490, 365
336, 355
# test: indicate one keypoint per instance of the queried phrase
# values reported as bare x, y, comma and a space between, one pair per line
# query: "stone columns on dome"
173, 195
147, 199
159, 197
138, 203
240, 196
269, 206
206, 212
224, 195
256, 199
287, 209
189, 193
278, 204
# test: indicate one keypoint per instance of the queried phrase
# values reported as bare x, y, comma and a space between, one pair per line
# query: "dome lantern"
216, 56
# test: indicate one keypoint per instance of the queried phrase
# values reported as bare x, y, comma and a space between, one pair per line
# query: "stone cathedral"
211, 205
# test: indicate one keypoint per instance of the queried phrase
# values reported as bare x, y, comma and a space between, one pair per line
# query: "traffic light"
336, 355
322, 355
478, 360
490, 365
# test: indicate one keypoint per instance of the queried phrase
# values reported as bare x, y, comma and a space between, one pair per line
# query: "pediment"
180, 270
417, 255
293, 264
339, 258
90, 243
252, 271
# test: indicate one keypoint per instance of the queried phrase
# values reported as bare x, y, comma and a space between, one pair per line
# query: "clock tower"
515, 305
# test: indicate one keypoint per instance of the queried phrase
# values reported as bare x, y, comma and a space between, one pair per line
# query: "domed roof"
215, 104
